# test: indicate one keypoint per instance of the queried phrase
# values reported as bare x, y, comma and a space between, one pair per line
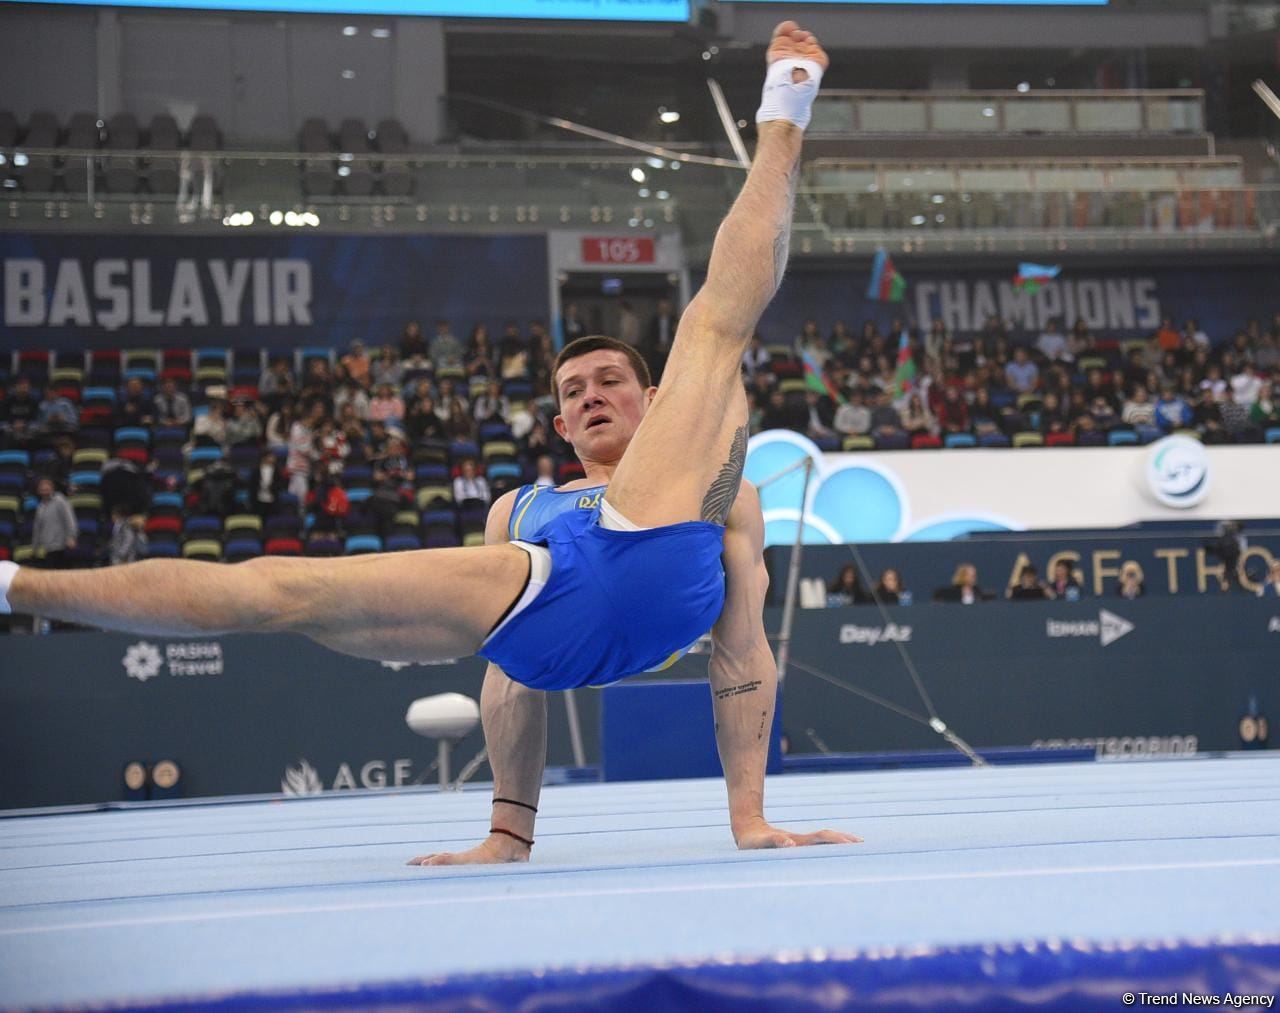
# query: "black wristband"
523, 840
522, 805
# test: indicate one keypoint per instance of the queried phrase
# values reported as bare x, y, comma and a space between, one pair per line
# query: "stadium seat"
202, 548
925, 441
158, 525
204, 455
283, 547
1148, 434
1028, 440
1091, 438
429, 495
892, 441
202, 524
1273, 434
86, 479
957, 441
856, 443
1060, 440
360, 544
1122, 438
243, 522
162, 548
991, 440
241, 548
473, 538
403, 543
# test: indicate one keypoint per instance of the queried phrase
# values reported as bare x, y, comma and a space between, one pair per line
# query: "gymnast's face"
601, 404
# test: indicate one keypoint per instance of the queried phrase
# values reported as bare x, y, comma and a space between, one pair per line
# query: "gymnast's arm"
744, 683
514, 718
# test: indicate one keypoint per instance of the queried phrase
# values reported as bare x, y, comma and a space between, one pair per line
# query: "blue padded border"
1053, 975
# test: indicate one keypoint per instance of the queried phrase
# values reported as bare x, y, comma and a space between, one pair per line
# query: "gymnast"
617, 574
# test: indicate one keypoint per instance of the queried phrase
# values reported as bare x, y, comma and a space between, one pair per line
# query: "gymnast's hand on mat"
493, 850
762, 835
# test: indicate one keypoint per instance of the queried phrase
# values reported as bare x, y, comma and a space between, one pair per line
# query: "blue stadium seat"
163, 548
357, 544
1091, 438
431, 474
503, 469
1122, 438
490, 431
357, 474
202, 524
86, 478
204, 455
239, 549
132, 434
956, 441
892, 441
994, 440
403, 543
1273, 434
359, 495
1148, 434
460, 450
14, 460
167, 499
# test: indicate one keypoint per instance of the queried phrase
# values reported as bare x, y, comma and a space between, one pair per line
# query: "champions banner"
67, 291
1115, 302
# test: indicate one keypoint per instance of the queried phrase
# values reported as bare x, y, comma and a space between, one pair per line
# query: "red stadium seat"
284, 547
1060, 440
923, 441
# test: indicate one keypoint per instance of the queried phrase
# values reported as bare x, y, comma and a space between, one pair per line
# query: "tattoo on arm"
724, 490
746, 687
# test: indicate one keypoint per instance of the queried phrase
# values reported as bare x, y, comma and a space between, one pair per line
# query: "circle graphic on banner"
1178, 471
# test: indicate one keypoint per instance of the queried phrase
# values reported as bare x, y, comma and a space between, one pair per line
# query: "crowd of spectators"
1061, 388
346, 440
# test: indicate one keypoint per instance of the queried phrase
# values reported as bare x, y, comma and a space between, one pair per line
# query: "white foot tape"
784, 99
7, 572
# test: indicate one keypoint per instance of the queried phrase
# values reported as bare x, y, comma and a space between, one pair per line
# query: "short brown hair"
595, 343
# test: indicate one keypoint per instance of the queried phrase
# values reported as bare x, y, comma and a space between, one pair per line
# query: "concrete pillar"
110, 90
419, 78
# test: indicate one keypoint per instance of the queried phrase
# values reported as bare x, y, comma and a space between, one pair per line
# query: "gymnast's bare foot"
496, 849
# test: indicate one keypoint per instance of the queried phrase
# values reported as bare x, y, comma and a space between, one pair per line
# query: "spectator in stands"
984, 416
331, 447
853, 418
542, 356
266, 483
916, 418
810, 342
1054, 417
1265, 412
351, 393
889, 589
842, 343
1271, 589
57, 414
1266, 355
210, 429
302, 451
279, 423
953, 413
1235, 416
352, 428
1167, 337
628, 324
128, 539
54, 532
545, 471
572, 325
445, 350
1028, 587
1138, 410
386, 368
1102, 415
422, 422
1052, 343
276, 383
1172, 411
356, 363
1192, 331
755, 360
491, 406
19, 412
412, 342
539, 438
1064, 584
469, 486
328, 502
1081, 341
1131, 583
819, 416
386, 406
1213, 386
377, 442
1246, 385
847, 589
1022, 374
480, 357
513, 354
460, 425
964, 588
172, 407
782, 414
1206, 413
245, 425
59, 467
885, 420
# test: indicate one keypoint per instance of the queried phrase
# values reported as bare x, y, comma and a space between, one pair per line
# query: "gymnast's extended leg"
686, 459
426, 605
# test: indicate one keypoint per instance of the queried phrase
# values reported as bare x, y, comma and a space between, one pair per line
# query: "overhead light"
939, 199
988, 112
348, 75
350, 30
344, 170
668, 115
918, 220
1024, 86
673, 166
706, 55
638, 174
20, 158
312, 219
381, 33
742, 124
3, 160
276, 218
345, 156
655, 163
663, 195
633, 222
292, 219
643, 192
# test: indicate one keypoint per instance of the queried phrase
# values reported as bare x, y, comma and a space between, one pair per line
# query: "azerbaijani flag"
887, 285
816, 380
1033, 277
905, 375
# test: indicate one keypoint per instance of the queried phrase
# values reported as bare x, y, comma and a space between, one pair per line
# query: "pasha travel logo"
1178, 472
144, 660
1108, 629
